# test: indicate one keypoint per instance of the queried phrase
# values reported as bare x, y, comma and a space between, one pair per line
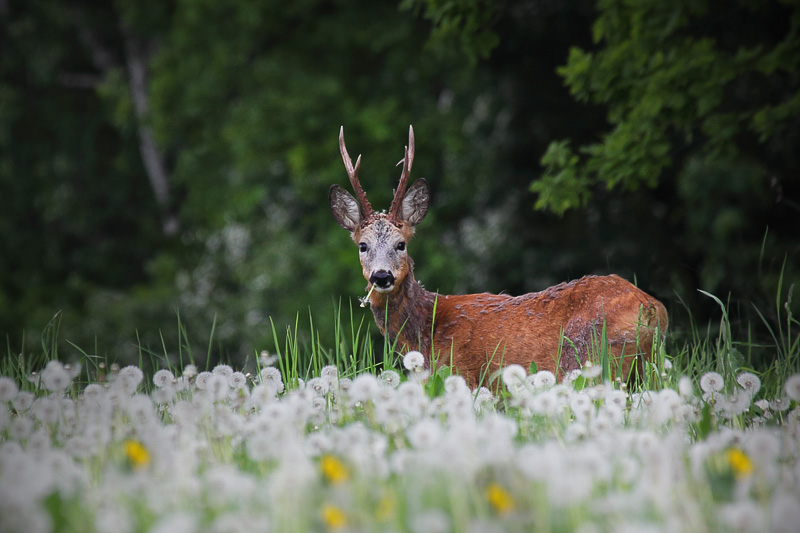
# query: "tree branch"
138, 53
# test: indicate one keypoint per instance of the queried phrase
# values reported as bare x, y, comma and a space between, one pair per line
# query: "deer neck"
405, 314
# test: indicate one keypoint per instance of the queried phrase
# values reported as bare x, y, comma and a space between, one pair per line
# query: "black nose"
382, 279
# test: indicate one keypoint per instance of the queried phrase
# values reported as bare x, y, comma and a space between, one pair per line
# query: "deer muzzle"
383, 280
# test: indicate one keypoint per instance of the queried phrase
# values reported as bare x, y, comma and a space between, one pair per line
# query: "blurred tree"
175, 156
76, 209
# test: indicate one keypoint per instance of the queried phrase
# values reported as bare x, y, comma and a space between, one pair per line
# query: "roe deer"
558, 328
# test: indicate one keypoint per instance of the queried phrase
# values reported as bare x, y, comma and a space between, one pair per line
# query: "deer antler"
352, 173
395, 210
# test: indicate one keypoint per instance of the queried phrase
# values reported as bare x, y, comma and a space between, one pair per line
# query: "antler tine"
400, 192
352, 173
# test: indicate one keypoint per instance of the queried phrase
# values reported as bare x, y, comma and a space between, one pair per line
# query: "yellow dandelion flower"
499, 498
334, 470
137, 454
740, 462
333, 517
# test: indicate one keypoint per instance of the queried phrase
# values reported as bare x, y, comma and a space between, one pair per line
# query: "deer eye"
401, 246
362, 247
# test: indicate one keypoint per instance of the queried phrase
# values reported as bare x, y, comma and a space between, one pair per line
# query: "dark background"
165, 164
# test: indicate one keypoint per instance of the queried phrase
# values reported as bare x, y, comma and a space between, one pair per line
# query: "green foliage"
681, 82
466, 23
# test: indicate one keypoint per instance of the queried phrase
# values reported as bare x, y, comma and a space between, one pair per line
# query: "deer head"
382, 238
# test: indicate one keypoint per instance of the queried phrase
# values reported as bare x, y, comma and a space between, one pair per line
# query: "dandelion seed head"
163, 396
272, 376
390, 378
140, 409
55, 377
364, 388
413, 360
267, 359
330, 374
780, 404
93, 392
544, 378
581, 406
744, 515
455, 384
20, 427
737, 403
201, 380
47, 410
711, 382
792, 387
715, 399
217, 386
545, 403
163, 378
514, 377
222, 370
615, 397
424, 435
484, 396
128, 379
763, 446
685, 387
8, 389
318, 386
749, 382
189, 371
590, 371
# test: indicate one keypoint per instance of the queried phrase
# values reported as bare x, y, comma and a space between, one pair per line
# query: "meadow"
316, 440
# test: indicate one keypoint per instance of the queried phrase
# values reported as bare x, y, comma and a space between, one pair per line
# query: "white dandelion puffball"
413, 360
8, 389
163, 379
544, 378
792, 387
55, 377
513, 376
390, 378
129, 378
711, 382
590, 371
749, 382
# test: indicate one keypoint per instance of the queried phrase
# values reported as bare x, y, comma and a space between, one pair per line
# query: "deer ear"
345, 208
415, 202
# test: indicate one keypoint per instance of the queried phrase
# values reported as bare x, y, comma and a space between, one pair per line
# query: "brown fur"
479, 333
